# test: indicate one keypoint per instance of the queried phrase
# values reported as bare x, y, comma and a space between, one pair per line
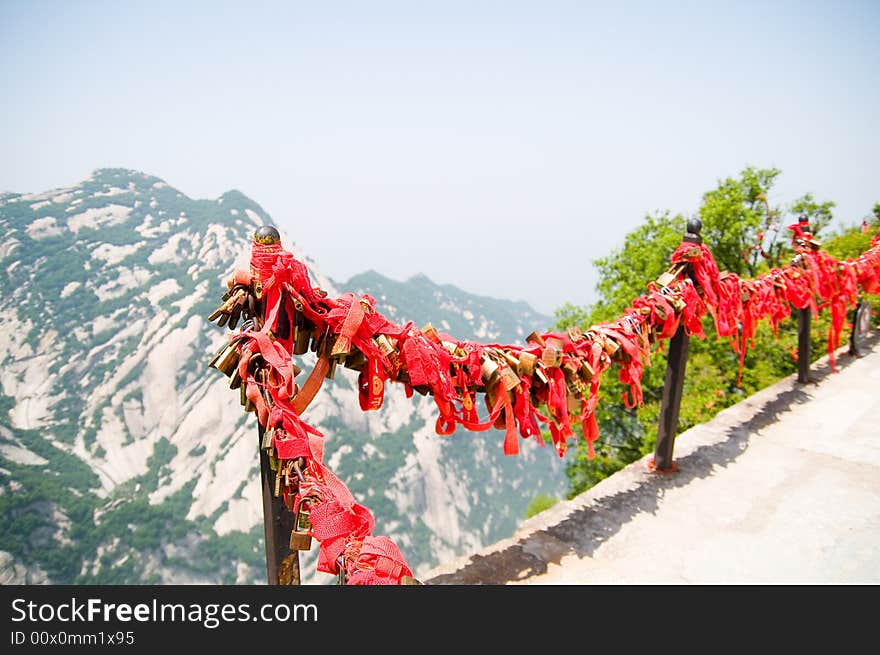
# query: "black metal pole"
673, 384
804, 240
804, 319
282, 564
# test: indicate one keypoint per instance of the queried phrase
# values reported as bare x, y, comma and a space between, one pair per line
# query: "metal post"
282, 564
673, 384
803, 240
804, 319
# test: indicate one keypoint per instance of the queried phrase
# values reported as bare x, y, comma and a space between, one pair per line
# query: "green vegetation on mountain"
78, 269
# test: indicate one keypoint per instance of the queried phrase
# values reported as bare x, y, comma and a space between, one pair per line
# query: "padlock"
534, 337
509, 378
574, 333
387, 347
610, 346
491, 398
355, 360
526, 364
303, 336
300, 539
409, 580
235, 380
226, 360
268, 439
451, 348
587, 373
540, 374
551, 356
331, 368
666, 278
490, 372
512, 359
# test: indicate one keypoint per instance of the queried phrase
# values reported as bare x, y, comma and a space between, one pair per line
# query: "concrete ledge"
621, 529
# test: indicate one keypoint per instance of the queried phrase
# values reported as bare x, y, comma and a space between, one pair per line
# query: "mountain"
125, 459
450, 309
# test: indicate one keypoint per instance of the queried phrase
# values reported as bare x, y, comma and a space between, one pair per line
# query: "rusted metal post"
804, 320
282, 564
673, 384
805, 240
861, 326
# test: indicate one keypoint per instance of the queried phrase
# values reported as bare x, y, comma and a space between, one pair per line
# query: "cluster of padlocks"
552, 379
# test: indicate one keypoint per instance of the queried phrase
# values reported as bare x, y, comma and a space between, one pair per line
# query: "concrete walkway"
782, 488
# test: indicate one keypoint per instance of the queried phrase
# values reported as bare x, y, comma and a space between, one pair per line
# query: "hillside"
125, 459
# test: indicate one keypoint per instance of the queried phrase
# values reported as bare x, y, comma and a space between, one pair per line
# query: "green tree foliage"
747, 236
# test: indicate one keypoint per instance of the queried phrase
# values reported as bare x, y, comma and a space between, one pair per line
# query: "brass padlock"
331, 369
300, 539
268, 439
574, 333
536, 338
303, 337
610, 345
490, 372
587, 372
526, 365
226, 360
509, 378
551, 356
539, 373
409, 580
355, 360
235, 380
666, 278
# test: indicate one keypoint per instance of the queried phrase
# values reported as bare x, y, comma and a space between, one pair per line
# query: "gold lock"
574, 333
268, 438
490, 372
536, 338
409, 580
303, 337
666, 278
512, 359
587, 372
539, 373
355, 360
300, 539
551, 356
610, 345
509, 378
226, 360
526, 364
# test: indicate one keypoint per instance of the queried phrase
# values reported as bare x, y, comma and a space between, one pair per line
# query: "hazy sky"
498, 146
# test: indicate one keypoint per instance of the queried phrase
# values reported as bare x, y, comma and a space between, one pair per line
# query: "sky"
497, 146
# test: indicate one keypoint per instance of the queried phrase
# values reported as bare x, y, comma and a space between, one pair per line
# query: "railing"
553, 378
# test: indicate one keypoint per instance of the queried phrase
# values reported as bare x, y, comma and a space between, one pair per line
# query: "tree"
736, 216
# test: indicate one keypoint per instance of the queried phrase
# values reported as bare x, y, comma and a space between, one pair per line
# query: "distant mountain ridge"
125, 459
449, 308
